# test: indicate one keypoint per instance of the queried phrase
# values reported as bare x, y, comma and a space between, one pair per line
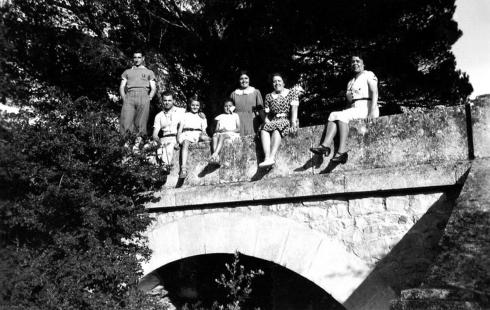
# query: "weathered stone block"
397, 204
366, 206
164, 240
339, 208
300, 249
191, 232
434, 299
196, 163
480, 117
419, 204
270, 234
240, 160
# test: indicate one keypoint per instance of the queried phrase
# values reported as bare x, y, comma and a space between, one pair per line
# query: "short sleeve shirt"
358, 88
227, 122
138, 77
168, 121
194, 121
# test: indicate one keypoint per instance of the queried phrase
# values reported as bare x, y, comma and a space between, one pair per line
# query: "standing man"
168, 121
137, 89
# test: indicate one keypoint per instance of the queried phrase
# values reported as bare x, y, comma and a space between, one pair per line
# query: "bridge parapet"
404, 140
414, 150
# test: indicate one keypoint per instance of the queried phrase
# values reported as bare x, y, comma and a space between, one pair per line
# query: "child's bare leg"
221, 141
215, 143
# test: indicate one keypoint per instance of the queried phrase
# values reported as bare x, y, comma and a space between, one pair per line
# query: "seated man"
168, 121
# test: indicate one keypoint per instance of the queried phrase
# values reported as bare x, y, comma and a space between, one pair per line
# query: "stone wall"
459, 277
480, 123
378, 235
402, 140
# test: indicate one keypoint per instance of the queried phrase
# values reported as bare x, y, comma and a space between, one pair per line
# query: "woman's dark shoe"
340, 158
320, 150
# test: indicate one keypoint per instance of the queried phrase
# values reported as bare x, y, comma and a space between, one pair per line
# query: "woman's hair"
243, 72
279, 74
359, 54
191, 100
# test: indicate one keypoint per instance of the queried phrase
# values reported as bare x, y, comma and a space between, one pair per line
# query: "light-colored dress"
357, 94
228, 123
278, 106
246, 100
192, 127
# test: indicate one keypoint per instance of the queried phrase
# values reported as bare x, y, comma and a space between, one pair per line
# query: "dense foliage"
197, 46
71, 211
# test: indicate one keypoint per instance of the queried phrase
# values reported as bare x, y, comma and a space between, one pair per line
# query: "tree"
197, 46
72, 215
237, 282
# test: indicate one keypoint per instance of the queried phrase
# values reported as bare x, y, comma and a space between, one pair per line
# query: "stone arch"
316, 257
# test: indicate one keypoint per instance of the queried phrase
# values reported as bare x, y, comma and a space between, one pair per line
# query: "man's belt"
354, 100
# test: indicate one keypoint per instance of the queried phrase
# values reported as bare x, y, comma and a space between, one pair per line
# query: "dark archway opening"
192, 280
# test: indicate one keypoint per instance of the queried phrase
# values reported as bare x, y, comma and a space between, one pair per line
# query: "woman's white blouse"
358, 87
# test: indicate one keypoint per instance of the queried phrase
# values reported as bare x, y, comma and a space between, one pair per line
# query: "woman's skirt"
280, 124
358, 110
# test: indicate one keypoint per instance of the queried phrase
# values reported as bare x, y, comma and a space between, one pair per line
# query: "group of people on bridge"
245, 113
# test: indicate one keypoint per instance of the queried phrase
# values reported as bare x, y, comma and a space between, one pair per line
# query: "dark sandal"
320, 150
340, 158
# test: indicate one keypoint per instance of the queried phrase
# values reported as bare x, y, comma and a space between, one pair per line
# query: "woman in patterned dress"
246, 100
277, 124
362, 95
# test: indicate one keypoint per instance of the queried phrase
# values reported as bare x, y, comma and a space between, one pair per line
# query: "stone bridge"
372, 233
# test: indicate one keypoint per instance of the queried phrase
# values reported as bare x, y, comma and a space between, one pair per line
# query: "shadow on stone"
315, 161
407, 264
180, 182
330, 167
261, 172
210, 168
